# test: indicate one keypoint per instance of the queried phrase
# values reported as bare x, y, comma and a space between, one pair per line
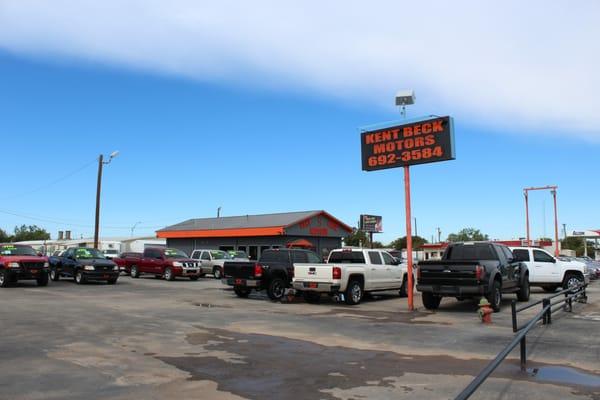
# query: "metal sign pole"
527, 216
556, 243
408, 237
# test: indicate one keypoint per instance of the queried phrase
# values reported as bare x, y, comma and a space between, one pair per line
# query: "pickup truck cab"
211, 261
19, 262
273, 272
470, 270
165, 263
349, 273
549, 272
83, 264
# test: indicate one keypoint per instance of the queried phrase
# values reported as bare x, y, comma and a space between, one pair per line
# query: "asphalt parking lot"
151, 339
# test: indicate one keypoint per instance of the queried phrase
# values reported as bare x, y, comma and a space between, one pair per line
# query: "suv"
212, 261
19, 262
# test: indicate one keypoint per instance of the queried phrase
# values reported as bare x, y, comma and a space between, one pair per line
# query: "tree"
29, 232
357, 238
4, 237
400, 243
467, 235
377, 245
575, 243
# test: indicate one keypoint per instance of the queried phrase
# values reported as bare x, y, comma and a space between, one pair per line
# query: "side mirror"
554, 260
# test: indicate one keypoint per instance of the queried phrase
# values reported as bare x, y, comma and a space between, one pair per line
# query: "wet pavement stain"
282, 368
565, 375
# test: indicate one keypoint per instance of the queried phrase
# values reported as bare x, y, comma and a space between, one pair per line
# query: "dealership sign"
371, 223
400, 145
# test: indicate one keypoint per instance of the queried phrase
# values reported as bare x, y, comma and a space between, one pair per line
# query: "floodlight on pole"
405, 98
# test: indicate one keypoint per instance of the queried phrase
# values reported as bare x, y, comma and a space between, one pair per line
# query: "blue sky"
229, 130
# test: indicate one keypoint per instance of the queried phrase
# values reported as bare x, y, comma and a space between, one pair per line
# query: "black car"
83, 264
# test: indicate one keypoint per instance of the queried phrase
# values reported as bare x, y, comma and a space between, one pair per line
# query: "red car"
20, 262
164, 262
126, 260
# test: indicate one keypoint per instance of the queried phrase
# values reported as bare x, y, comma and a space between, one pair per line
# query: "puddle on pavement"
565, 375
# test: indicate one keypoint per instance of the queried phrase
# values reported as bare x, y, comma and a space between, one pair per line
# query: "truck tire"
354, 292
4, 279
169, 276
42, 280
523, 293
80, 278
403, 289
54, 274
430, 301
276, 289
495, 296
134, 271
242, 292
217, 273
572, 280
311, 297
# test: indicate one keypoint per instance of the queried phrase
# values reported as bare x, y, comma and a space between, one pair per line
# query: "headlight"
13, 265
116, 268
46, 265
177, 264
89, 267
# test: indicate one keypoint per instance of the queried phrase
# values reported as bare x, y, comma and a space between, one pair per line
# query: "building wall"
322, 244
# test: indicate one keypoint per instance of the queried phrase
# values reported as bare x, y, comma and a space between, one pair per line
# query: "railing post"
513, 309
548, 313
524, 353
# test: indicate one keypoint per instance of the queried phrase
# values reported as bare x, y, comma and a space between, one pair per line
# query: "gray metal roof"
242, 221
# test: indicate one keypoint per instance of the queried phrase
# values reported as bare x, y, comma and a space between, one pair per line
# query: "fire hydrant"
485, 311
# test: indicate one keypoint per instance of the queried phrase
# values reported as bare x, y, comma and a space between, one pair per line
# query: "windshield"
238, 254
174, 253
87, 254
219, 255
12, 250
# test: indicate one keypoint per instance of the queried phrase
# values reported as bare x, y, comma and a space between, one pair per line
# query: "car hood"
573, 264
97, 261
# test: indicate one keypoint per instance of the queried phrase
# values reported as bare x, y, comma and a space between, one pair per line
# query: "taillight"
336, 273
479, 271
258, 270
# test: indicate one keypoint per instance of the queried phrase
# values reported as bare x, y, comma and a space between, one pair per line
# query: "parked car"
549, 272
473, 269
273, 272
212, 261
349, 273
167, 263
83, 264
126, 260
593, 266
20, 262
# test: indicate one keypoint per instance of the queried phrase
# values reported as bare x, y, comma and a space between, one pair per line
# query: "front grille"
32, 264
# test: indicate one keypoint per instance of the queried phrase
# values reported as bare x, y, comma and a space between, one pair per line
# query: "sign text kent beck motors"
419, 142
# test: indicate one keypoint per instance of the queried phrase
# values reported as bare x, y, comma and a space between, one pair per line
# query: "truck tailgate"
313, 272
239, 269
460, 273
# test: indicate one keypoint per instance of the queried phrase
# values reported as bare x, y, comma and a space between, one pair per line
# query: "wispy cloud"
532, 63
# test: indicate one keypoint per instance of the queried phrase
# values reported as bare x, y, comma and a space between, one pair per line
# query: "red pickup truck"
126, 260
165, 263
19, 262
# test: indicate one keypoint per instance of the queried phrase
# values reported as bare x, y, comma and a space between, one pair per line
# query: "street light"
133, 227
101, 163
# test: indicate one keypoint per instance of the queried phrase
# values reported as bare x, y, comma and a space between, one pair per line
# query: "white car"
549, 272
211, 261
349, 273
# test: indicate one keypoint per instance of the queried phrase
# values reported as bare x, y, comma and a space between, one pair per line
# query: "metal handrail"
521, 337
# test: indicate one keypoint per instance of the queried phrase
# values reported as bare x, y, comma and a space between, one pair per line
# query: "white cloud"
532, 63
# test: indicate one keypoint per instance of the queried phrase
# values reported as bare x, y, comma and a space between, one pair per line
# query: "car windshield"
88, 254
219, 255
12, 250
238, 254
174, 253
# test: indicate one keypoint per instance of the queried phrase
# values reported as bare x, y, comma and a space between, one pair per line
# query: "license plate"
34, 272
239, 281
313, 285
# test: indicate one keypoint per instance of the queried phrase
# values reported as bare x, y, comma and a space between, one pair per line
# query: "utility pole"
439, 232
218, 212
101, 163
416, 230
564, 230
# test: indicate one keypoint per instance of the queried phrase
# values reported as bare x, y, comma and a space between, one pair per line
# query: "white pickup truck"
349, 273
549, 272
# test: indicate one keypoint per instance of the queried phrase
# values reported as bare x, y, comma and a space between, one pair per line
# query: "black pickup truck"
470, 270
273, 272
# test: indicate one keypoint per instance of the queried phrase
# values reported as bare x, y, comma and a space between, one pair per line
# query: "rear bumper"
320, 287
453, 290
252, 283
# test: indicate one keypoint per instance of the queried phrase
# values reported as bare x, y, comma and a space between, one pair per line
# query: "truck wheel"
194, 278
495, 296
43, 279
354, 293
572, 280
276, 289
4, 279
217, 273
54, 274
80, 278
169, 274
312, 297
430, 300
134, 272
242, 292
403, 289
523, 293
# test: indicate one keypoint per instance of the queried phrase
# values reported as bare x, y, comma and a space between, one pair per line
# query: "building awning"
300, 243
